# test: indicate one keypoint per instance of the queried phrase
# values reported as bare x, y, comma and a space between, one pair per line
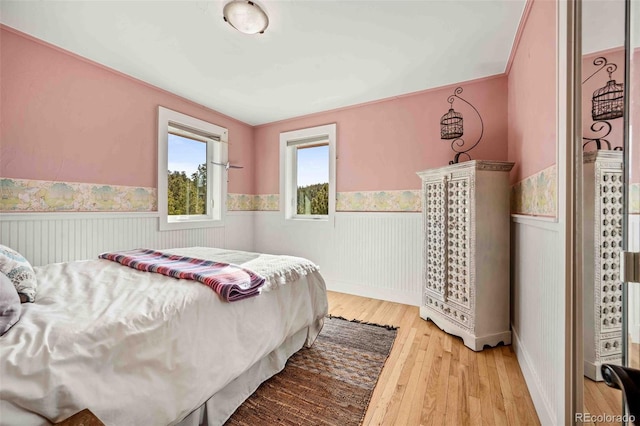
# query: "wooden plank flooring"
431, 378
601, 400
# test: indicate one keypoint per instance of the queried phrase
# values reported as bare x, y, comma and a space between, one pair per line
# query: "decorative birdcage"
608, 101
451, 125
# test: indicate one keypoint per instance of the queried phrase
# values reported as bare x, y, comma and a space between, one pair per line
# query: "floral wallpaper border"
25, 195
247, 202
240, 202
358, 201
267, 202
536, 195
380, 201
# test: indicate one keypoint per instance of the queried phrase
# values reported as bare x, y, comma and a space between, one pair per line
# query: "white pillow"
10, 307
20, 272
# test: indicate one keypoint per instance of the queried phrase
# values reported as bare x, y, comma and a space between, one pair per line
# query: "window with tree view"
187, 176
312, 179
191, 189
308, 174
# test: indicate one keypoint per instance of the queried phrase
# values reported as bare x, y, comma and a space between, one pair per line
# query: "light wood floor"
431, 378
600, 399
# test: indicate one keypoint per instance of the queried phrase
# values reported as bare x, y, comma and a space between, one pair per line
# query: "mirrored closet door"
632, 306
610, 199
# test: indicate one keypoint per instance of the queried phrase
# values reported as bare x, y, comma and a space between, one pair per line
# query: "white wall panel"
60, 237
377, 255
537, 316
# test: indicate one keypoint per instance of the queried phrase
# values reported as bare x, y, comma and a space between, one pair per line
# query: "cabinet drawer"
459, 316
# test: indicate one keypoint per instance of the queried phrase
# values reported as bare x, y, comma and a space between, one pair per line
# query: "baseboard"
592, 371
391, 295
542, 406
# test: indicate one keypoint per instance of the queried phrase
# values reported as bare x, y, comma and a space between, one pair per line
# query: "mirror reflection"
604, 206
603, 71
633, 299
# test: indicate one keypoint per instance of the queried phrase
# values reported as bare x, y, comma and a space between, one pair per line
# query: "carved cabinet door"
435, 238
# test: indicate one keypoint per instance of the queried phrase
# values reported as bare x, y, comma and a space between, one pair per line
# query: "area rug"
330, 383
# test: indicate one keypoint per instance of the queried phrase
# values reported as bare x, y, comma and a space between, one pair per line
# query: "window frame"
216, 180
289, 143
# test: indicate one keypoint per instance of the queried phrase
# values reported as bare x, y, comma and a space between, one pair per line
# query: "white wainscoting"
537, 312
377, 255
60, 237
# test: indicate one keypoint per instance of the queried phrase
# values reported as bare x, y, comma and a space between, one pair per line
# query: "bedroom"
81, 84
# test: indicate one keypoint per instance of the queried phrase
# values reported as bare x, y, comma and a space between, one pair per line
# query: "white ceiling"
316, 55
603, 25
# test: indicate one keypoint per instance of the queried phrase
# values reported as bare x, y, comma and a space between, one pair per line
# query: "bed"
142, 348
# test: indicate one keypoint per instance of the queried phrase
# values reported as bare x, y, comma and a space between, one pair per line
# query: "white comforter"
141, 348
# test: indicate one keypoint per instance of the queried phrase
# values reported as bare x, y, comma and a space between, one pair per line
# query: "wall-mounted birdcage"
607, 103
451, 127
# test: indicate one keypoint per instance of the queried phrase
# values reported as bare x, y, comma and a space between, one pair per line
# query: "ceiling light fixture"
245, 16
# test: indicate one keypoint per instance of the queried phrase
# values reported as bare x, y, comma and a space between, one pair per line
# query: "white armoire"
465, 210
602, 242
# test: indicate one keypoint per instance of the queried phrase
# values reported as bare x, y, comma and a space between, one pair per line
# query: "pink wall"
532, 93
76, 121
65, 118
381, 145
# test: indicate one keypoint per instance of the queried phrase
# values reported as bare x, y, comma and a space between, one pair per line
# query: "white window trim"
288, 172
216, 151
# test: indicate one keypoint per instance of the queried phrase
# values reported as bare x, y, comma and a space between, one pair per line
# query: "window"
307, 174
191, 189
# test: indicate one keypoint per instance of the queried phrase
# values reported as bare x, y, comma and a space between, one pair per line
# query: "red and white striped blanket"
231, 282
